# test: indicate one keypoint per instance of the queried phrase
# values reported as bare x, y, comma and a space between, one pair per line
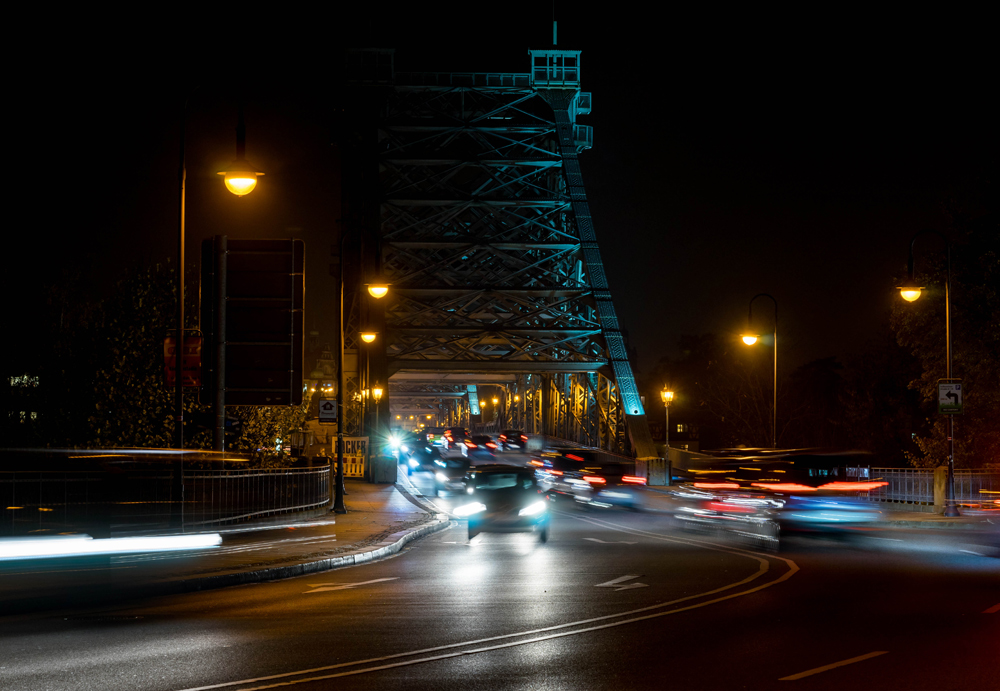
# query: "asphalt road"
615, 600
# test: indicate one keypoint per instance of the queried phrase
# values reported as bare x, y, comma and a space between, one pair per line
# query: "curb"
392, 545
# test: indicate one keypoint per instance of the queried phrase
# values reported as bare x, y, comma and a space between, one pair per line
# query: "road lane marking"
824, 668
617, 583
763, 568
969, 551
992, 610
323, 587
606, 542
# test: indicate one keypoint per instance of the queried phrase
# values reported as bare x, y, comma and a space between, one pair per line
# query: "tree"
975, 337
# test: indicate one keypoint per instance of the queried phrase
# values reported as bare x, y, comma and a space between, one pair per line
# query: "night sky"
794, 155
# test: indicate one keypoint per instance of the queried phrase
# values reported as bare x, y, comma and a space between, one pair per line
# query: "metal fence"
151, 494
915, 486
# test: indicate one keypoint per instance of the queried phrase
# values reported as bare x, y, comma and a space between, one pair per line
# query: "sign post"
327, 411
950, 396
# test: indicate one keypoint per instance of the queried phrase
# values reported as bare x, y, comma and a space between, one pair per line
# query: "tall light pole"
667, 397
240, 180
750, 338
910, 291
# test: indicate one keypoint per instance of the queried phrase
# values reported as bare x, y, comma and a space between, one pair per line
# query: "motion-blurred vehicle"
608, 485
558, 469
763, 496
455, 443
512, 440
449, 475
421, 456
504, 499
484, 448
433, 435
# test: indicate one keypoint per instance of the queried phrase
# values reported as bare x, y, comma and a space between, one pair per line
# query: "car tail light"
594, 479
634, 479
856, 486
491, 445
730, 508
785, 486
716, 485
554, 472
471, 445
536, 463
503, 437
524, 438
572, 457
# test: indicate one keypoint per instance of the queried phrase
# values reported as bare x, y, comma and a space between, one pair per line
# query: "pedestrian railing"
131, 493
915, 486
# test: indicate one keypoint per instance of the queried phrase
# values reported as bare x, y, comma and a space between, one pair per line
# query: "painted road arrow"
321, 587
613, 542
617, 583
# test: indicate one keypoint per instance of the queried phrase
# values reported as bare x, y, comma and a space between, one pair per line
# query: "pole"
219, 328
950, 509
179, 335
338, 484
774, 401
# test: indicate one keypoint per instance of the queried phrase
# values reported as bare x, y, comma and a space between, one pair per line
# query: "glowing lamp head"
749, 339
378, 290
368, 336
667, 396
241, 177
377, 393
910, 291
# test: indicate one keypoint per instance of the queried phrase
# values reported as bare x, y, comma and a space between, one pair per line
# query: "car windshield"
490, 481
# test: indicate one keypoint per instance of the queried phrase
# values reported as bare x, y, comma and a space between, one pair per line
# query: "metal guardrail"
915, 486
133, 498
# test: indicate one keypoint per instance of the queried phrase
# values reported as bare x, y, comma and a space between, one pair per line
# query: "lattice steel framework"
483, 229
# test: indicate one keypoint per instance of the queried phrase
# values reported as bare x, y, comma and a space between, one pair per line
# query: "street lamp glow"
909, 294
667, 396
241, 177
368, 336
749, 339
377, 393
378, 290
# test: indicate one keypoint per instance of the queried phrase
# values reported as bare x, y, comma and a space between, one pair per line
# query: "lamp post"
240, 180
750, 338
910, 291
667, 396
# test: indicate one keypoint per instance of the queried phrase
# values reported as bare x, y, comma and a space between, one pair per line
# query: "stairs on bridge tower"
466, 192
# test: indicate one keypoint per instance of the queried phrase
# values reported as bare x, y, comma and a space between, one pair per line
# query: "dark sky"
794, 155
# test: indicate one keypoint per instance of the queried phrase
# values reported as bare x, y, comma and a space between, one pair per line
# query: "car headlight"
405, 448
441, 477
413, 463
532, 509
469, 509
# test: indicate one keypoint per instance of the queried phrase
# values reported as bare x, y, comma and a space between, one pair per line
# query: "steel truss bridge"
464, 192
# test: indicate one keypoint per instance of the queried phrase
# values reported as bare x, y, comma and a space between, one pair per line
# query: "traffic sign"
949, 396
327, 410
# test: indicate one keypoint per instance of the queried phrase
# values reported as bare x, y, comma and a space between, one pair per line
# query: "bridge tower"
466, 194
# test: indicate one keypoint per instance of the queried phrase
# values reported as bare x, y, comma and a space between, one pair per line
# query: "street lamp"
667, 396
750, 338
181, 199
910, 291
241, 177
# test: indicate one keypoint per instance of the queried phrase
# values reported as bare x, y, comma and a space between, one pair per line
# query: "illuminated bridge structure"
464, 191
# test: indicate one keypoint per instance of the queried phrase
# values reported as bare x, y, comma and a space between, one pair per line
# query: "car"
450, 475
420, 456
558, 469
455, 443
512, 440
504, 499
484, 449
434, 435
608, 485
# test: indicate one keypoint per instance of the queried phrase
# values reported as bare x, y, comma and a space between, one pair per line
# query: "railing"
133, 497
915, 486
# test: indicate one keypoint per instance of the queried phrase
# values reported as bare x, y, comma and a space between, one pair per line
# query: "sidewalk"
380, 521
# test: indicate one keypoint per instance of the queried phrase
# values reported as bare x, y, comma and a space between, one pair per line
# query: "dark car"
449, 475
607, 485
433, 435
512, 440
420, 455
504, 499
558, 469
484, 448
